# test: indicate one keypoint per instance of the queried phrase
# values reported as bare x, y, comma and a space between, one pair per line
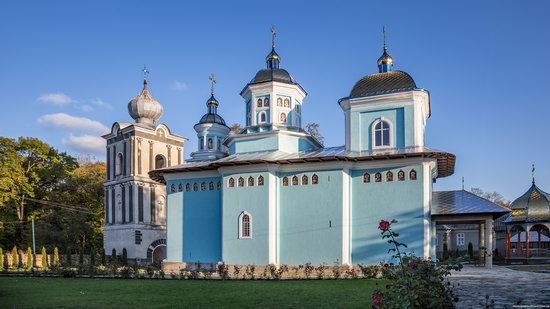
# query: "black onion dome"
385, 82
212, 118
273, 75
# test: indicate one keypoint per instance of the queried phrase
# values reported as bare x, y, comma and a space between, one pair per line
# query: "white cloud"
66, 121
179, 86
86, 144
59, 99
87, 108
99, 102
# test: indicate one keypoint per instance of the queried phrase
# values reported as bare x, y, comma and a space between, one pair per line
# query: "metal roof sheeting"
462, 203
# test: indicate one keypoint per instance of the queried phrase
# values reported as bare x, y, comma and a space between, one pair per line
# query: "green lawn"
120, 293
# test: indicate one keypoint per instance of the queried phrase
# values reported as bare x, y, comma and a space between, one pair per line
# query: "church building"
273, 194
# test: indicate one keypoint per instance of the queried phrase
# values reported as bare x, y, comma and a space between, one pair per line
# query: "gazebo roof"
532, 206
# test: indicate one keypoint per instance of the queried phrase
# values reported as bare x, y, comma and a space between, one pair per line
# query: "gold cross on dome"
145, 72
212, 79
273, 34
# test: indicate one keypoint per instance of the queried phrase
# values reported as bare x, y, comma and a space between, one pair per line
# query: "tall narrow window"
314, 179
210, 143
203, 186
389, 176
305, 180
378, 177
195, 187
287, 103
219, 144
382, 134
266, 102
240, 182
119, 164
260, 180
285, 181
295, 180
211, 186
282, 118
219, 185
187, 187
400, 175
251, 181
412, 175
245, 225
262, 117
260, 103
172, 188
159, 161
460, 239
180, 187
231, 182
366, 178
201, 143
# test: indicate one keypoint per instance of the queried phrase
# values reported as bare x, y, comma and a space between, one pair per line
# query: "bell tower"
135, 205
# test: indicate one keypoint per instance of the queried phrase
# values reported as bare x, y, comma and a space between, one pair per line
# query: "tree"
494, 197
470, 249
55, 257
103, 262
445, 251
92, 256
1, 259
81, 257
124, 257
29, 258
44, 258
313, 130
68, 258
235, 128
113, 256
14, 258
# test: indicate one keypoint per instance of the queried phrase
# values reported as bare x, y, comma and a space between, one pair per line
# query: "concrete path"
508, 288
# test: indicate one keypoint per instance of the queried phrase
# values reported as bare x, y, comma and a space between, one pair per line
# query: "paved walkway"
508, 288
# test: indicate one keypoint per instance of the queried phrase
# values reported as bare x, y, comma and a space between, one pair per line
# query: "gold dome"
385, 59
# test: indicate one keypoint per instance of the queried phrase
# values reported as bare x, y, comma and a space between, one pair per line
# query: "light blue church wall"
395, 116
275, 141
372, 202
253, 200
174, 223
310, 219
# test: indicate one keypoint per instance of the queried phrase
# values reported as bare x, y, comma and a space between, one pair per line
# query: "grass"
120, 293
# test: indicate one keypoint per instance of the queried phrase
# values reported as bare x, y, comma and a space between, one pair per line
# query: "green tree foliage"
92, 256
103, 262
81, 258
1, 259
29, 258
44, 258
14, 257
68, 259
445, 251
55, 257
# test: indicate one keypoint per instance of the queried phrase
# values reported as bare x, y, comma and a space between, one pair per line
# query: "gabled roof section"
462, 202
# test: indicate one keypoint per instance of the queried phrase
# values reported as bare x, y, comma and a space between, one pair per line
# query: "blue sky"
69, 69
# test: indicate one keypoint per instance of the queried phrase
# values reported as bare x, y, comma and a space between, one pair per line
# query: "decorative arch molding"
154, 245
391, 133
245, 218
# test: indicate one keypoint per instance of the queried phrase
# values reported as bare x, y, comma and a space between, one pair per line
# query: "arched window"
305, 180
245, 225
412, 175
159, 161
251, 181
279, 102
400, 175
260, 103
266, 102
173, 188
219, 185
203, 186
118, 164
187, 187
314, 179
378, 177
295, 180
389, 176
262, 117
282, 118
285, 181
210, 143
240, 182
180, 187
211, 186
366, 178
382, 134
195, 187
260, 180
219, 144
287, 103
201, 143
231, 182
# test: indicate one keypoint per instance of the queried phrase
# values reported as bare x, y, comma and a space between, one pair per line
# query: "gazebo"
528, 226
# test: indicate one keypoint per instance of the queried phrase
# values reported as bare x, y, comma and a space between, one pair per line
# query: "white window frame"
241, 236
373, 132
460, 239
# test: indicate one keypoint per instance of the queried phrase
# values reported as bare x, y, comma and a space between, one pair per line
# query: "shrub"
336, 272
81, 257
55, 257
29, 258
470, 249
222, 270
68, 258
1, 259
321, 271
103, 262
113, 256
124, 257
251, 271
44, 258
14, 258
236, 271
308, 268
92, 257
445, 251
417, 283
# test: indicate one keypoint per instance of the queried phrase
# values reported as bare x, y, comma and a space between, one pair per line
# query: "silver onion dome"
144, 108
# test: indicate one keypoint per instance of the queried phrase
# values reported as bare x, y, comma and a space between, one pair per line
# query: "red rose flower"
376, 299
384, 225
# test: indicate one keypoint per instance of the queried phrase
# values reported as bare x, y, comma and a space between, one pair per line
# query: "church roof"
462, 202
273, 75
445, 161
381, 83
532, 206
212, 118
